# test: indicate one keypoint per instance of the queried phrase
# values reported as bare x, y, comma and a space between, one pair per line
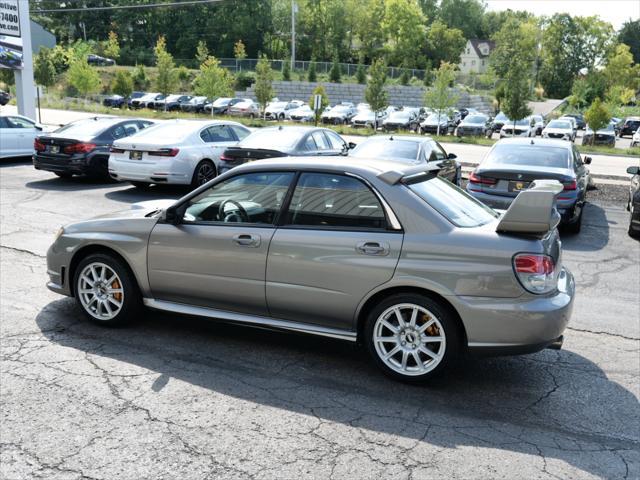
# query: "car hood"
471, 125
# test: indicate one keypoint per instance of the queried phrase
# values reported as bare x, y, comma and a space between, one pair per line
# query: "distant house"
475, 57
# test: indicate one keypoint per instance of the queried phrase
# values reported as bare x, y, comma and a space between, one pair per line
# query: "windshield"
272, 139
608, 127
519, 123
501, 117
475, 119
278, 105
197, 99
340, 108
221, 102
85, 129
167, 132
386, 148
559, 124
399, 116
530, 155
454, 204
434, 118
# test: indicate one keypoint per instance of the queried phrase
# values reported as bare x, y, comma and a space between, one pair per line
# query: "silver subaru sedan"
370, 251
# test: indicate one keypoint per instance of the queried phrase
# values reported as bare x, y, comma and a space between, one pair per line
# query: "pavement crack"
23, 250
596, 332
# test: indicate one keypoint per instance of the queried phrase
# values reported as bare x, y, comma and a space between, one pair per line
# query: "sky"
615, 12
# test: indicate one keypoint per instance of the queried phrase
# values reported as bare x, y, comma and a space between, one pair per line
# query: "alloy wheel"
409, 339
205, 173
100, 291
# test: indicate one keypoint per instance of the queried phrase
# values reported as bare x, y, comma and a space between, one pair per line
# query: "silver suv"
385, 254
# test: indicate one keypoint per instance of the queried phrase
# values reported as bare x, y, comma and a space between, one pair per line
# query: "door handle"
373, 248
246, 240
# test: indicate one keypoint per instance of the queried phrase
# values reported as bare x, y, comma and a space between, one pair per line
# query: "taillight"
79, 148
165, 152
116, 150
535, 272
573, 185
224, 158
38, 145
483, 180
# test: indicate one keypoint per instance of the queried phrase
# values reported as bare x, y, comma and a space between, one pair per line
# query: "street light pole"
294, 9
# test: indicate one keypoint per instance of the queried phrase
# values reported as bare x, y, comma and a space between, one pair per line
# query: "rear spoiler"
533, 211
410, 175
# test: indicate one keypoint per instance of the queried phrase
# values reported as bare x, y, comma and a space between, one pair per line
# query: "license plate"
135, 155
54, 148
517, 186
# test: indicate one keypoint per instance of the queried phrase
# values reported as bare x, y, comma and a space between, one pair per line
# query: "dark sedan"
605, 136
114, 101
499, 122
411, 150
222, 105
171, 102
195, 105
633, 204
402, 120
100, 61
284, 142
630, 126
82, 147
580, 121
512, 164
474, 125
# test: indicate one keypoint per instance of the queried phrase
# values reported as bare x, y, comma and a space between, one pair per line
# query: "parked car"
410, 150
281, 110
100, 61
617, 124
171, 102
635, 140
629, 126
512, 164
499, 121
436, 123
467, 111
580, 121
538, 121
401, 120
365, 118
114, 101
633, 204
146, 101
184, 152
474, 125
220, 106
134, 96
519, 128
195, 104
302, 114
246, 108
340, 114
283, 142
605, 136
399, 260
574, 124
17, 134
82, 147
4, 98
559, 129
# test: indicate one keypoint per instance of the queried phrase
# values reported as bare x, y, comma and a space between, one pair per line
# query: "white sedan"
183, 152
17, 134
635, 140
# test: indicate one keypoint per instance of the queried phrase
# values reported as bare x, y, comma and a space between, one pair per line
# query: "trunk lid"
237, 156
511, 181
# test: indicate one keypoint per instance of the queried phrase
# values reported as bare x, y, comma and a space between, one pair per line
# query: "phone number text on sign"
9, 18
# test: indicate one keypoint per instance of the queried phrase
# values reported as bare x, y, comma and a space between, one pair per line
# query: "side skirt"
256, 320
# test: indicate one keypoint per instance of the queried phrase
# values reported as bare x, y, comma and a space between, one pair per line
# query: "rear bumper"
514, 326
92, 164
175, 172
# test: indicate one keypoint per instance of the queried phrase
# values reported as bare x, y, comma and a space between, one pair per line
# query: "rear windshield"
475, 119
453, 203
272, 139
90, 128
167, 132
531, 155
385, 148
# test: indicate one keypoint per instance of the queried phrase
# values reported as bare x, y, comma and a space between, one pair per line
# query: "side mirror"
38, 127
172, 216
351, 145
633, 170
587, 160
452, 156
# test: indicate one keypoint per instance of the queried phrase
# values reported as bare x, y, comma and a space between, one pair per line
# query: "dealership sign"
9, 18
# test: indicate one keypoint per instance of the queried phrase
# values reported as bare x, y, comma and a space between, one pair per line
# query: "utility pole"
294, 10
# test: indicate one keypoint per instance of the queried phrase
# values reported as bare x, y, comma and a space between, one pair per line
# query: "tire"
281, 117
66, 175
430, 314
104, 302
204, 171
575, 226
141, 185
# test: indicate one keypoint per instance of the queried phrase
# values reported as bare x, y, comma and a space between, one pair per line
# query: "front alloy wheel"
412, 337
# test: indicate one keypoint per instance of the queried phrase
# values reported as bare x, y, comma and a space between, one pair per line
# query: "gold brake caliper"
118, 295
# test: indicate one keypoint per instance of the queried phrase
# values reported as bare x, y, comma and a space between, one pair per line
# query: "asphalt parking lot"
175, 397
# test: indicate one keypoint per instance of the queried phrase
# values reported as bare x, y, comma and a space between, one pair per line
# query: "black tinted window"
531, 155
338, 201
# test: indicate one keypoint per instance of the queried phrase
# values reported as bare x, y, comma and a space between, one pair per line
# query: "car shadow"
156, 192
13, 161
70, 184
594, 234
535, 404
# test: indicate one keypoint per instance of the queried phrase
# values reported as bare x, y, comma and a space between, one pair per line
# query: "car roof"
540, 142
404, 138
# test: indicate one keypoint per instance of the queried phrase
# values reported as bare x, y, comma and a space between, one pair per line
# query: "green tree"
630, 35
375, 93
83, 77
465, 15
123, 83
263, 87
405, 77
597, 116
404, 26
213, 80
444, 44
286, 71
202, 52
516, 41
239, 51
361, 74
112, 47
44, 69
441, 97
515, 104
311, 74
140, 80
620, 69
319, 90
367, 32
335, 74
167, 78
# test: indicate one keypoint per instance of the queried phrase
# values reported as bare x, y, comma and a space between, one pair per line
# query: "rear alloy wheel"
575, 225
204, 172
412, 337
105, 290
